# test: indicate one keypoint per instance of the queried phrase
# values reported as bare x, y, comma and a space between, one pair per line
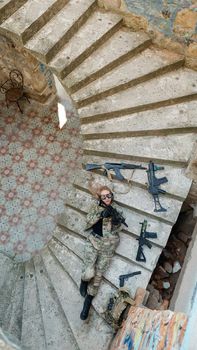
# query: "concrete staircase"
136, 103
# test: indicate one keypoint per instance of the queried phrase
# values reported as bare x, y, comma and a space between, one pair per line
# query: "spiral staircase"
136, 103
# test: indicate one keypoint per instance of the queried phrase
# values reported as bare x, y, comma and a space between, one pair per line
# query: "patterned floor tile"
38, 163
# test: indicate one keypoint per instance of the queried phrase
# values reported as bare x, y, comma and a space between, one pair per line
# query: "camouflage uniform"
99, 250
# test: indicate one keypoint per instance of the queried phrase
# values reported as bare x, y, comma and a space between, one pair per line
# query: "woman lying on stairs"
103, 225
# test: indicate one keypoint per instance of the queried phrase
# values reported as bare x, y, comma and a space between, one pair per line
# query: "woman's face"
106, 197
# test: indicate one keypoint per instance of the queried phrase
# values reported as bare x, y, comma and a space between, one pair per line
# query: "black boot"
83, 288
86, 307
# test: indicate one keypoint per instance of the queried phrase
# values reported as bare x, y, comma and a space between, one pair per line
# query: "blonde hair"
96, 188
103, 188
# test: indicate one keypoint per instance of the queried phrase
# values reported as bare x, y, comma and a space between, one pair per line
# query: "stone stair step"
30, 18
7, 290
13, 317
133, 199
128, 244
33, 336
180, 118
169, 149
177, 186
57, 330
8, 7
147, 65
6, 265
59, 30
101, 25
72, 264
117, 267
71, 301
81, 201
119, 48
169, 89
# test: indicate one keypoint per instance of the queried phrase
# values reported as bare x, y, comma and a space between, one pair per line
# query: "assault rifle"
144, 241
117, 218
122, 278
154, 184
116, 167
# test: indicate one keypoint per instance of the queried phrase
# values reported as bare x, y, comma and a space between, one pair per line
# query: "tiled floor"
38, 162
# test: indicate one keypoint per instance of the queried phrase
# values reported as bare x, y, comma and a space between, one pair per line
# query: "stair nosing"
114, 64
63, 72
132, 83
148, 106
49, 54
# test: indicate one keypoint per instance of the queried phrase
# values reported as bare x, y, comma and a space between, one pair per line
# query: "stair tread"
167, 87
58, 26
117, 267
13, 318
81, 200
26, 15
128, 244
98, 24
71, 301
6, 290
132, 199
119, 44
169, 148
73, 265
8, 7
4, 3
182, 115
57, 331
6, 264
146, 62
178, 184
33, 336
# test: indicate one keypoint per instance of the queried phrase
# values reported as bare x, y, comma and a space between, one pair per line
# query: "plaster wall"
184, 298
38, 80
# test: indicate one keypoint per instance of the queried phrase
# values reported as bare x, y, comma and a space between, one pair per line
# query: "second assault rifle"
116, 167
154, 183
144, 241
122, 278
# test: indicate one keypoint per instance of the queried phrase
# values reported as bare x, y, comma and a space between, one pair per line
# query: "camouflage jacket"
94, 215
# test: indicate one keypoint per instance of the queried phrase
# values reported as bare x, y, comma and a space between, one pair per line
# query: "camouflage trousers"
97, 256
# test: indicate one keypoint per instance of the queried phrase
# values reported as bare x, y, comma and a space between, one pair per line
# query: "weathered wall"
171, 23
38, 80
183, 298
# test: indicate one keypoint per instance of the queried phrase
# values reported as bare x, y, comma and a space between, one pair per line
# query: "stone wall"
38, 80
171, 23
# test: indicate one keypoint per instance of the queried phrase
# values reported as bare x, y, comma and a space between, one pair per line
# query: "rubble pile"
166, 273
